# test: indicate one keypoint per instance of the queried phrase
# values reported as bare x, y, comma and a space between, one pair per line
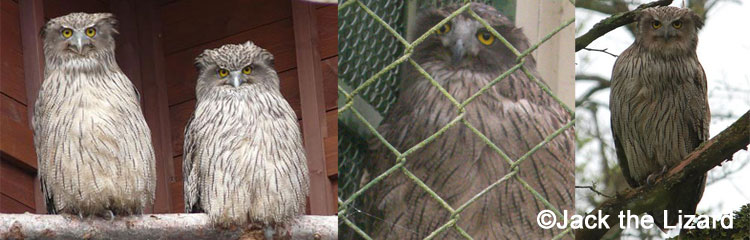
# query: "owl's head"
668, 29
80, 35
236, 66
465, 42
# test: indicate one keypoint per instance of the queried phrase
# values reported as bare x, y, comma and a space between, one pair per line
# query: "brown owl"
659, 105
462, 56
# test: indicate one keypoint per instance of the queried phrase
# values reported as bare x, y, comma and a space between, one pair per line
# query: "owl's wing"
619, 76
190, 182
699, 109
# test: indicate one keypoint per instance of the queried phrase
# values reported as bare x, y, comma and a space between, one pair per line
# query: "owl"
244, 161
462, 56
659, 105
93, 145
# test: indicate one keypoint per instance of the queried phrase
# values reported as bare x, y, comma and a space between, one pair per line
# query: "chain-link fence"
371, 48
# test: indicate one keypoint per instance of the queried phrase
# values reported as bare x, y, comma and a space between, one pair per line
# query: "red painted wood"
327, 18
330, 82
313, 105
10, 205
331, 143
56, 8
16, 183
11, 56
156, 108
194, 22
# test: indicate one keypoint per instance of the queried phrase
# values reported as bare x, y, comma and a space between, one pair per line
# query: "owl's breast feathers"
659, 110
90, 135
244, 158
458, 164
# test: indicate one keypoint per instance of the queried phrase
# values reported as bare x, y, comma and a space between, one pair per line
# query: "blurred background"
724, 52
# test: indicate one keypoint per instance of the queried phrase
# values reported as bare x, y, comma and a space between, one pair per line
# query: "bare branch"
154, 226
613, 22
594, 190
600, 50
704, 158
602, 83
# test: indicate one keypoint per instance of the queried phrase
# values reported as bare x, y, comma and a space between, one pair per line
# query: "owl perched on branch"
659, 105
244, 160
92, 142
463, 56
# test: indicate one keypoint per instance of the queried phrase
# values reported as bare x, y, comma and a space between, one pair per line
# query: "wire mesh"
371, 47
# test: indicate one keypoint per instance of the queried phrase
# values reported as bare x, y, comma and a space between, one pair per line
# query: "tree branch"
613, 22
710, 154
194, 226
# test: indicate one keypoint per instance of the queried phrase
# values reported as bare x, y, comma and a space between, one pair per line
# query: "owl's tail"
684, 196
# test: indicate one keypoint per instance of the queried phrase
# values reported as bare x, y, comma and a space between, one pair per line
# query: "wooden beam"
154, 94
32, 20
313, 105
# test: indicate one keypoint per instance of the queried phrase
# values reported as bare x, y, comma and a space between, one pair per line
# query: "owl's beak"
235, 79
78, 42
458, 51
669, 33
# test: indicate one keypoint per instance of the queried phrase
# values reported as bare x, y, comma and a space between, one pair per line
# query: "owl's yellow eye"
656, 24
67, 32
485, 38
444, 29
677, 24
223, 72
91, 32
247, 70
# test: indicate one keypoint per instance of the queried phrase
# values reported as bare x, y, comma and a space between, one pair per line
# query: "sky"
724, 52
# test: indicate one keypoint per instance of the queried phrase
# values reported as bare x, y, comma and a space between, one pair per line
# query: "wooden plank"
17, 183
328, 31
156, 108
56, 8
14, 110
11, 57
313, 105
127, 43
216, 19
32, 19
330, 82
331, 143
180, 113
17, 143
178, 203
277, 38
10, 205
175, 186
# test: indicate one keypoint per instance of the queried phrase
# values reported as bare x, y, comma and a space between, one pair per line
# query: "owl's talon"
269, 232
651, 179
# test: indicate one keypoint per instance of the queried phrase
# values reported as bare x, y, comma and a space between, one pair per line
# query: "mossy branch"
707, 156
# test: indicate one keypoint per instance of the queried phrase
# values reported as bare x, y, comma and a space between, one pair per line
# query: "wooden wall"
180, 29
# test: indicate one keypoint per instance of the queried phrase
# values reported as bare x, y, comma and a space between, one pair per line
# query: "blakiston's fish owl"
659, 104
244, 160
92, 142
515, 114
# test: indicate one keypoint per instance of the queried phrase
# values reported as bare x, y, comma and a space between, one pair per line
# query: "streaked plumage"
92, 142
659, 104
515, 114
244, 160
